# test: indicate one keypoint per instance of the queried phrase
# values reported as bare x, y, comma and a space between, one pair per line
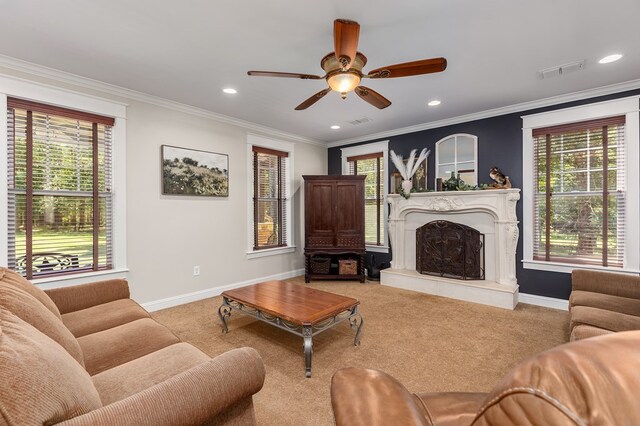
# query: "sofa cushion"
134, 376
102, 317
585, 331
28, 309
624, 305
41, 382
601, 318
450, 408
115, 346
13, 278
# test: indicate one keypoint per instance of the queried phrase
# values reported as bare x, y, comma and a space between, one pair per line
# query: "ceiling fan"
343, 68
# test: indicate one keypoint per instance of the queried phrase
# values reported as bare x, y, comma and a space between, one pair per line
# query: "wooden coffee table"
295, 308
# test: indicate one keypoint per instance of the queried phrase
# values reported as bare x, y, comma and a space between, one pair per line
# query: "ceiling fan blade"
373, 97
284, 74
313, 99
345, 38
425, 66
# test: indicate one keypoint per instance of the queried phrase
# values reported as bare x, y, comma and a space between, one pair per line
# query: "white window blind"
580, 193
269, 198
59, 190
372, 166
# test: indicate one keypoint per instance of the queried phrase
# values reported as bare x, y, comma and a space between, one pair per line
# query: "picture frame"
419, 179
193, 172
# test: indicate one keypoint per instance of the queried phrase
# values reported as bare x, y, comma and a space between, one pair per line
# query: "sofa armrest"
606, 282
77, 297
192, 397
370, 397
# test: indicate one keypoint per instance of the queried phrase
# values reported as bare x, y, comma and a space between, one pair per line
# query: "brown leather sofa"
89, 355
602, 303
588, 382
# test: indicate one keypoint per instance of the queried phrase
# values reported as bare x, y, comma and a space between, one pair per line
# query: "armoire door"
319, 210
349, 213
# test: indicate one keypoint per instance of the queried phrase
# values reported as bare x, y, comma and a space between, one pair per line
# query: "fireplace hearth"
451, 250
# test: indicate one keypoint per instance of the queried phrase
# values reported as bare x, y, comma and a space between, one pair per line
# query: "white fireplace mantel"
492, 212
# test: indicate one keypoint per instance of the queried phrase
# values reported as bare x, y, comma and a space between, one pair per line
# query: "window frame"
21, 89
624, 106
455, 163
269, 144
366, 149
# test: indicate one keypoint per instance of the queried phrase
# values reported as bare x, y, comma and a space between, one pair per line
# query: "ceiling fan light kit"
343, 68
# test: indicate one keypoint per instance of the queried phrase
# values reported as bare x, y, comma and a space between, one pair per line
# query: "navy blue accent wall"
499, 144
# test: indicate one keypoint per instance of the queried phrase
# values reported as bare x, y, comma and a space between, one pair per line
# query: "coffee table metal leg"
307, 334
224, 312
355, 323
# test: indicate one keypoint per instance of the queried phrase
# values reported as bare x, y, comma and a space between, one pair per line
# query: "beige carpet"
428, 343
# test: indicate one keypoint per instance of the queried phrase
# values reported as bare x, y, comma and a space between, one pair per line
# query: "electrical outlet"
196, 271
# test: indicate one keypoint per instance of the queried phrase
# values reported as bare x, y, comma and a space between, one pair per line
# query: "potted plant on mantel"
409, 169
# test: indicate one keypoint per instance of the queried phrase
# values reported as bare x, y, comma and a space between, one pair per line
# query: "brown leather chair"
594, 381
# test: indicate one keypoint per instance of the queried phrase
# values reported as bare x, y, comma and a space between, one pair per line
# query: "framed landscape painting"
193, 172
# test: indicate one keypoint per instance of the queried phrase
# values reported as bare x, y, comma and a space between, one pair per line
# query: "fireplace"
492, 213
451, 250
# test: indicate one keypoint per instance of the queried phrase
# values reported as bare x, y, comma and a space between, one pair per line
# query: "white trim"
270, 252
455, 152
567, 268
510, 109
547, 302
377, 249
44, 93
23, 89
76, 279
65, 77
213, 292
628, 106
371, 148
4, 188
265, 142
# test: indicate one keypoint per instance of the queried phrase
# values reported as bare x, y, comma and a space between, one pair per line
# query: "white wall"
168, 235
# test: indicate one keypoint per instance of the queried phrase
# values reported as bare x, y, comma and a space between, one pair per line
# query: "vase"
407, 185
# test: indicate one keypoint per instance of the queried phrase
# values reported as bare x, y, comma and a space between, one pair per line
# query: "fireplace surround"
491, 212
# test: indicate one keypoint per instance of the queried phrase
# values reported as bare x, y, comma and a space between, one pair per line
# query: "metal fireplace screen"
450, 250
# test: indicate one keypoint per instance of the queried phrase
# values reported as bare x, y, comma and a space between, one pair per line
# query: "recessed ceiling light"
610, 58
335, 127
230, 91
434, 102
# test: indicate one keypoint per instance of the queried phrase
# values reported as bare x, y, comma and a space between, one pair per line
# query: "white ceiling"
189, 51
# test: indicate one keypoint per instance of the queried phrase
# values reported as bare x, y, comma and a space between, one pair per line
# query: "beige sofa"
602, 303
89, 355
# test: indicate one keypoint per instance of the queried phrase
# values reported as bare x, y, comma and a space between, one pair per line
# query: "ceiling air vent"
360, 121
561, 70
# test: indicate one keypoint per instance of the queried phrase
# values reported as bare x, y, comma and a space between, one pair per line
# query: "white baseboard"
547, 302
181, 299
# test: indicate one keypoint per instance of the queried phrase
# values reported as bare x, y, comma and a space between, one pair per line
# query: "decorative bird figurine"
497, 176
501, 181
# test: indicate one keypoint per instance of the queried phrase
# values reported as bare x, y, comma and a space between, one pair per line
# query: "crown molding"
521, 107
88, 83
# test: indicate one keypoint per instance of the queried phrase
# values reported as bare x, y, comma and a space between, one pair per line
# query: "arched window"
458, 154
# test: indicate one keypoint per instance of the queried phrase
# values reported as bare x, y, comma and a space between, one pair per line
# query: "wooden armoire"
334, 227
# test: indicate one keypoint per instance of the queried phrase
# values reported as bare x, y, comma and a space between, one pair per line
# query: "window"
458, 154
269, 198
580, 195
370, 165
59, 201
269, 227
578, 165
371, 160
